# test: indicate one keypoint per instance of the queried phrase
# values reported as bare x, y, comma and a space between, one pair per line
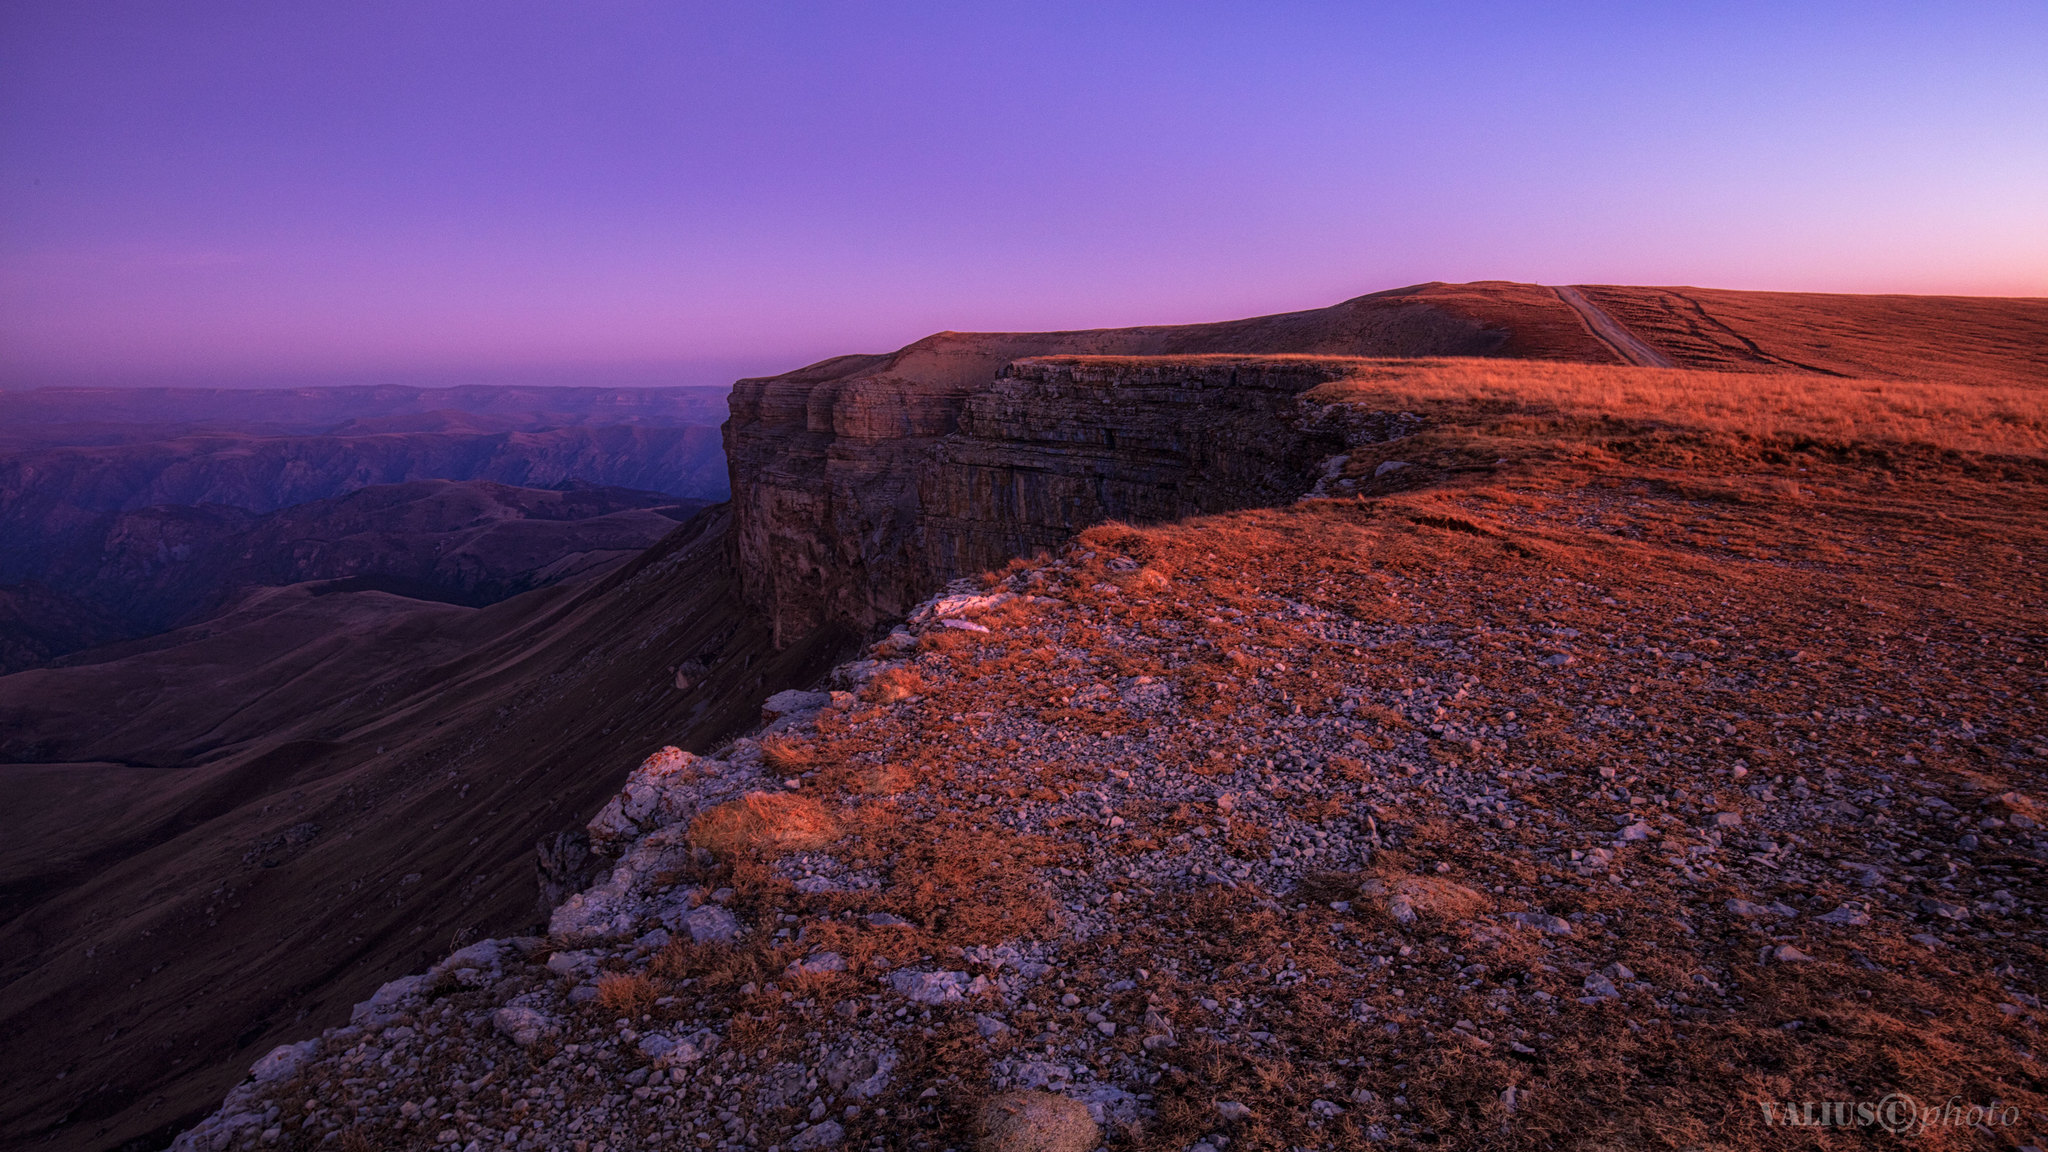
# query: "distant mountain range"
69, 413
128, 511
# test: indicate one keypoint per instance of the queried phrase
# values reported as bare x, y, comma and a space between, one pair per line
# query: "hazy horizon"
681, 374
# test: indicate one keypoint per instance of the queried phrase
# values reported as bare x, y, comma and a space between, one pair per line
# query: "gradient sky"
594, 192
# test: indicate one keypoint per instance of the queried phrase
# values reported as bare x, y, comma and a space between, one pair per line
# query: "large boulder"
655, 794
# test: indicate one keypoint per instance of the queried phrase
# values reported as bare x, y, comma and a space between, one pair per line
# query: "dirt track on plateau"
1611, 333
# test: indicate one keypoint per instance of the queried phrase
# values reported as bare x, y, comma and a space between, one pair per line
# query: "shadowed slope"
466, 542
338, 786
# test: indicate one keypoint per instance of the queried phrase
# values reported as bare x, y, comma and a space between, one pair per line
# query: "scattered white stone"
523, 1025
929, 987
1543, 922
860, 1072
283, 1060
957, 606
384, 1002
711, 924
827, 1134
817, 963
1943, 909
794, 701
655, 1045
570, 963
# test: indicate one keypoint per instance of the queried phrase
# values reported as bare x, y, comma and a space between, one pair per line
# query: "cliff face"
1058, 444
868, 479
1052, 445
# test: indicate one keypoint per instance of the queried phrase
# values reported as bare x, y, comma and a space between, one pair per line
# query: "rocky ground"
1576, 787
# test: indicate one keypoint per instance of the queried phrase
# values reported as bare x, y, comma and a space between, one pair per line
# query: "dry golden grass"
895, 686
1381, 715
764, 823
723, 968
963, 883
1436, 896
627, 995
1964, 339
885, 780
788, 756
1989, 419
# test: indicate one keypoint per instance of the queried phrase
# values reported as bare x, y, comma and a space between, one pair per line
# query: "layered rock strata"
1057, 444
1051, 445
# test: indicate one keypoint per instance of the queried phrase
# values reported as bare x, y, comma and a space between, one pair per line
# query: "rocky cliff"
1058, 443
1580, 762
1050, 445
315, 793
870, 480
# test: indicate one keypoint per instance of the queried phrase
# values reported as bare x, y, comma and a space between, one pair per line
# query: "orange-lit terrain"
1949, 339
1577, 756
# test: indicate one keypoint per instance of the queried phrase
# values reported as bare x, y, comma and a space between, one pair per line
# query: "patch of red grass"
626, 995
764, 824
788, 756
895, 685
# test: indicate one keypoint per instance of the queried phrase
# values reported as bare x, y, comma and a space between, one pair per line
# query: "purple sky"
593, 192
